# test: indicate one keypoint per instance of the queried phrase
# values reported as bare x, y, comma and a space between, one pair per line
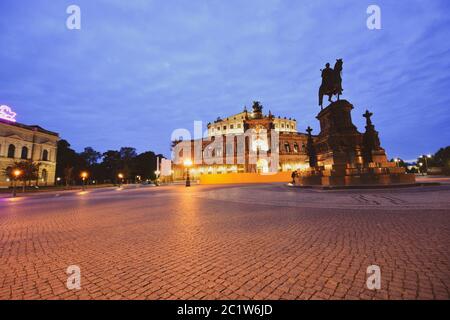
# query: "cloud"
138, 70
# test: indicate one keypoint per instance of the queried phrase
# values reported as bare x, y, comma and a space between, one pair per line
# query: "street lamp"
84, 176
397, 160
120, 176
426, 157
16, 174
157, 174
188, 164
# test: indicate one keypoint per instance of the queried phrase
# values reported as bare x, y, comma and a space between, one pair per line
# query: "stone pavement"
227, 242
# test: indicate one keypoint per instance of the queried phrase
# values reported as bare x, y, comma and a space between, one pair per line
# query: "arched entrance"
44, 176
262, 166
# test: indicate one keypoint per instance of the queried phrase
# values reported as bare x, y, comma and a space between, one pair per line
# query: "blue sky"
139, 69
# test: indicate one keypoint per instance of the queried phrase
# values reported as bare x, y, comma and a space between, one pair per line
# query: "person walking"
293, 176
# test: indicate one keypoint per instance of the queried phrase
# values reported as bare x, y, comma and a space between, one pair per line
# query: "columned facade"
19, 142
247, 142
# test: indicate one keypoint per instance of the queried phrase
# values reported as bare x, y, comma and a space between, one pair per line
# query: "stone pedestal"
346, 157
339, 142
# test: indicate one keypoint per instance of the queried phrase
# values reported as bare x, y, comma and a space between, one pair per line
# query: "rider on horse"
331, 81
327, 76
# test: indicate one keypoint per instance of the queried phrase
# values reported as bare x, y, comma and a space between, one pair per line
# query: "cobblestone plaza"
227, 242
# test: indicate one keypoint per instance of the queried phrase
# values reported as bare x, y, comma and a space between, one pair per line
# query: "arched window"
287, 147
295, 147
11, 151
44, 176
45, 155
24, 154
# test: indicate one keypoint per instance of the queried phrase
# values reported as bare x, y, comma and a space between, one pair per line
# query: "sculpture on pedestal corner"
331, 81
310, 149
371, 141
257, 110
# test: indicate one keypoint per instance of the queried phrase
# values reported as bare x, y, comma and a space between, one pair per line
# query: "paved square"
227, 242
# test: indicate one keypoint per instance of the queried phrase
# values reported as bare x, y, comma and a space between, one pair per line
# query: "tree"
127, 154
400, 162
68, 175
69, 162
90, 156
145, 165
442, 159
106, 166
29, 171
111, 164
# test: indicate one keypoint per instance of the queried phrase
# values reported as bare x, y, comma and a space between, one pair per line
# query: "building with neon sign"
19, 142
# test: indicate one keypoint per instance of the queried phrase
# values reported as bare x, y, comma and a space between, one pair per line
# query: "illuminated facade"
19, 142
235, 124
230, 148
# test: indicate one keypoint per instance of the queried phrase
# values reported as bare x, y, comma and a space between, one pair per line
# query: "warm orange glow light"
17, 173
84, 175
187, 162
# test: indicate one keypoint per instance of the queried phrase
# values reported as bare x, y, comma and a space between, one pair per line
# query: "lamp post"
396, 160
120, 176
84, 176
420, 167
188, 164
16, 174
426, 157
157, 175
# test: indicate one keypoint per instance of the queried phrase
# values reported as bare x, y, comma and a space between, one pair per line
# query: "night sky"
137, 70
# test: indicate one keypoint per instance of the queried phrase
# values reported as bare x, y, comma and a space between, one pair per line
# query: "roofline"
35, 128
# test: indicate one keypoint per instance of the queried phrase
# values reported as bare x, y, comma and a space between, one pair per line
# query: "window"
231, 126
11, 151
24, 154
45, 155
282, 125
295, 147
287, 147
224, 127
218, 128
239, 125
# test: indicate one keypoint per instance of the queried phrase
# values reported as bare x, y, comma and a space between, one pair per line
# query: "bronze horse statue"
331, 82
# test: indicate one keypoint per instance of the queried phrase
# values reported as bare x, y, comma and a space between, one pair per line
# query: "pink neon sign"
7, 114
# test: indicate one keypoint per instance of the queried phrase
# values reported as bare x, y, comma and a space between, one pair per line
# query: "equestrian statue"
331, 82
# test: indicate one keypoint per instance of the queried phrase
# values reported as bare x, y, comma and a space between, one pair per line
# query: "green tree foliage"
69, 163
442, 159
90, 156
29, 171
104, 167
